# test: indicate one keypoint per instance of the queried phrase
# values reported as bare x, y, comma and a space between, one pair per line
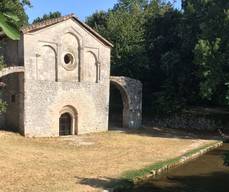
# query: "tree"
123, 26
51, 15
128, 4
181, 56
212, 49
12, 17
7, 25
98, 21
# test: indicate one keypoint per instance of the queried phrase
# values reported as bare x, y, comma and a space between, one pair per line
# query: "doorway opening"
65, 124
118, 105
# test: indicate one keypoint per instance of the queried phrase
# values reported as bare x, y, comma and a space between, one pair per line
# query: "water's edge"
162, 167
189, 156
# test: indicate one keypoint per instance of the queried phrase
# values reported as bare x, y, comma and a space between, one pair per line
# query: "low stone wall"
191, 121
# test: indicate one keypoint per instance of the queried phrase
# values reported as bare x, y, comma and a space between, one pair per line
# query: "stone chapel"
58, 79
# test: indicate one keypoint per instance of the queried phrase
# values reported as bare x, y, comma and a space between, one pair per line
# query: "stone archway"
131, 93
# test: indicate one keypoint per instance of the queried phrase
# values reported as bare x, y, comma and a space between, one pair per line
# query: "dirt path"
83, 163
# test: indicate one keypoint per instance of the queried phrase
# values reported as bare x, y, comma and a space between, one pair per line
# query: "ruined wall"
53, 81
131, 92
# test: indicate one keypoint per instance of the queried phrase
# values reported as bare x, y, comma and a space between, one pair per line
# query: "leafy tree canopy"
51, 15
181, 56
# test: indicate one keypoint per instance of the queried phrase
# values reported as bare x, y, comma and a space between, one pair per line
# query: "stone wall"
192, 121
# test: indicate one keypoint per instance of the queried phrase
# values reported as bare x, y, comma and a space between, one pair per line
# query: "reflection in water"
210, 173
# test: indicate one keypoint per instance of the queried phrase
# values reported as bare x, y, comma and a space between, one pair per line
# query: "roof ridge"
46, 22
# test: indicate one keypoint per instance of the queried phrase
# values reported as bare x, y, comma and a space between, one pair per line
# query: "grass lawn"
84, 163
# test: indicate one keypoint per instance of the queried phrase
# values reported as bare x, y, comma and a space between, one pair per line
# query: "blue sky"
82, 8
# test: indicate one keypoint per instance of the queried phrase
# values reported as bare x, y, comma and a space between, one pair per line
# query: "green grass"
131, 175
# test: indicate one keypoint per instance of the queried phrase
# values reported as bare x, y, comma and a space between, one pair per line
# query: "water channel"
209, 173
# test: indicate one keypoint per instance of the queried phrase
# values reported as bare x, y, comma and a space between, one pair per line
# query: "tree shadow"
106, 183
170, 133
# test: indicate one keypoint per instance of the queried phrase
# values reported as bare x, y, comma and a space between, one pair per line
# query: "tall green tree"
181, 56
123, 26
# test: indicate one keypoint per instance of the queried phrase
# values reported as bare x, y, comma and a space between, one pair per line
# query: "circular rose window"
69, 61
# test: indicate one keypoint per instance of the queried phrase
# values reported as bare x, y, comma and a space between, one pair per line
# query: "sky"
81, 8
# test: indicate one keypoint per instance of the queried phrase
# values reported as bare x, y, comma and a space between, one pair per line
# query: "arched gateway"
131, 93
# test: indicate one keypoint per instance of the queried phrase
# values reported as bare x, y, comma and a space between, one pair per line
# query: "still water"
209, 173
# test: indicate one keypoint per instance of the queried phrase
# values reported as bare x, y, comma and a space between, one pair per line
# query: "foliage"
16, 7
3, 104
2, 63
123, 26
12, 17
212, 50
208, 59
51, 15
181, 56
7, 26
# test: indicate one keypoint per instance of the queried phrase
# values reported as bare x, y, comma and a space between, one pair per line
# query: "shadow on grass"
169, 133
107, 183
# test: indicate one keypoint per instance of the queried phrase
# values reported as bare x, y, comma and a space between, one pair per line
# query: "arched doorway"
68, 121
65, 124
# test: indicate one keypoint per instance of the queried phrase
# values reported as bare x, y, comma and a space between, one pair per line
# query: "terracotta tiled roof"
49, 22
